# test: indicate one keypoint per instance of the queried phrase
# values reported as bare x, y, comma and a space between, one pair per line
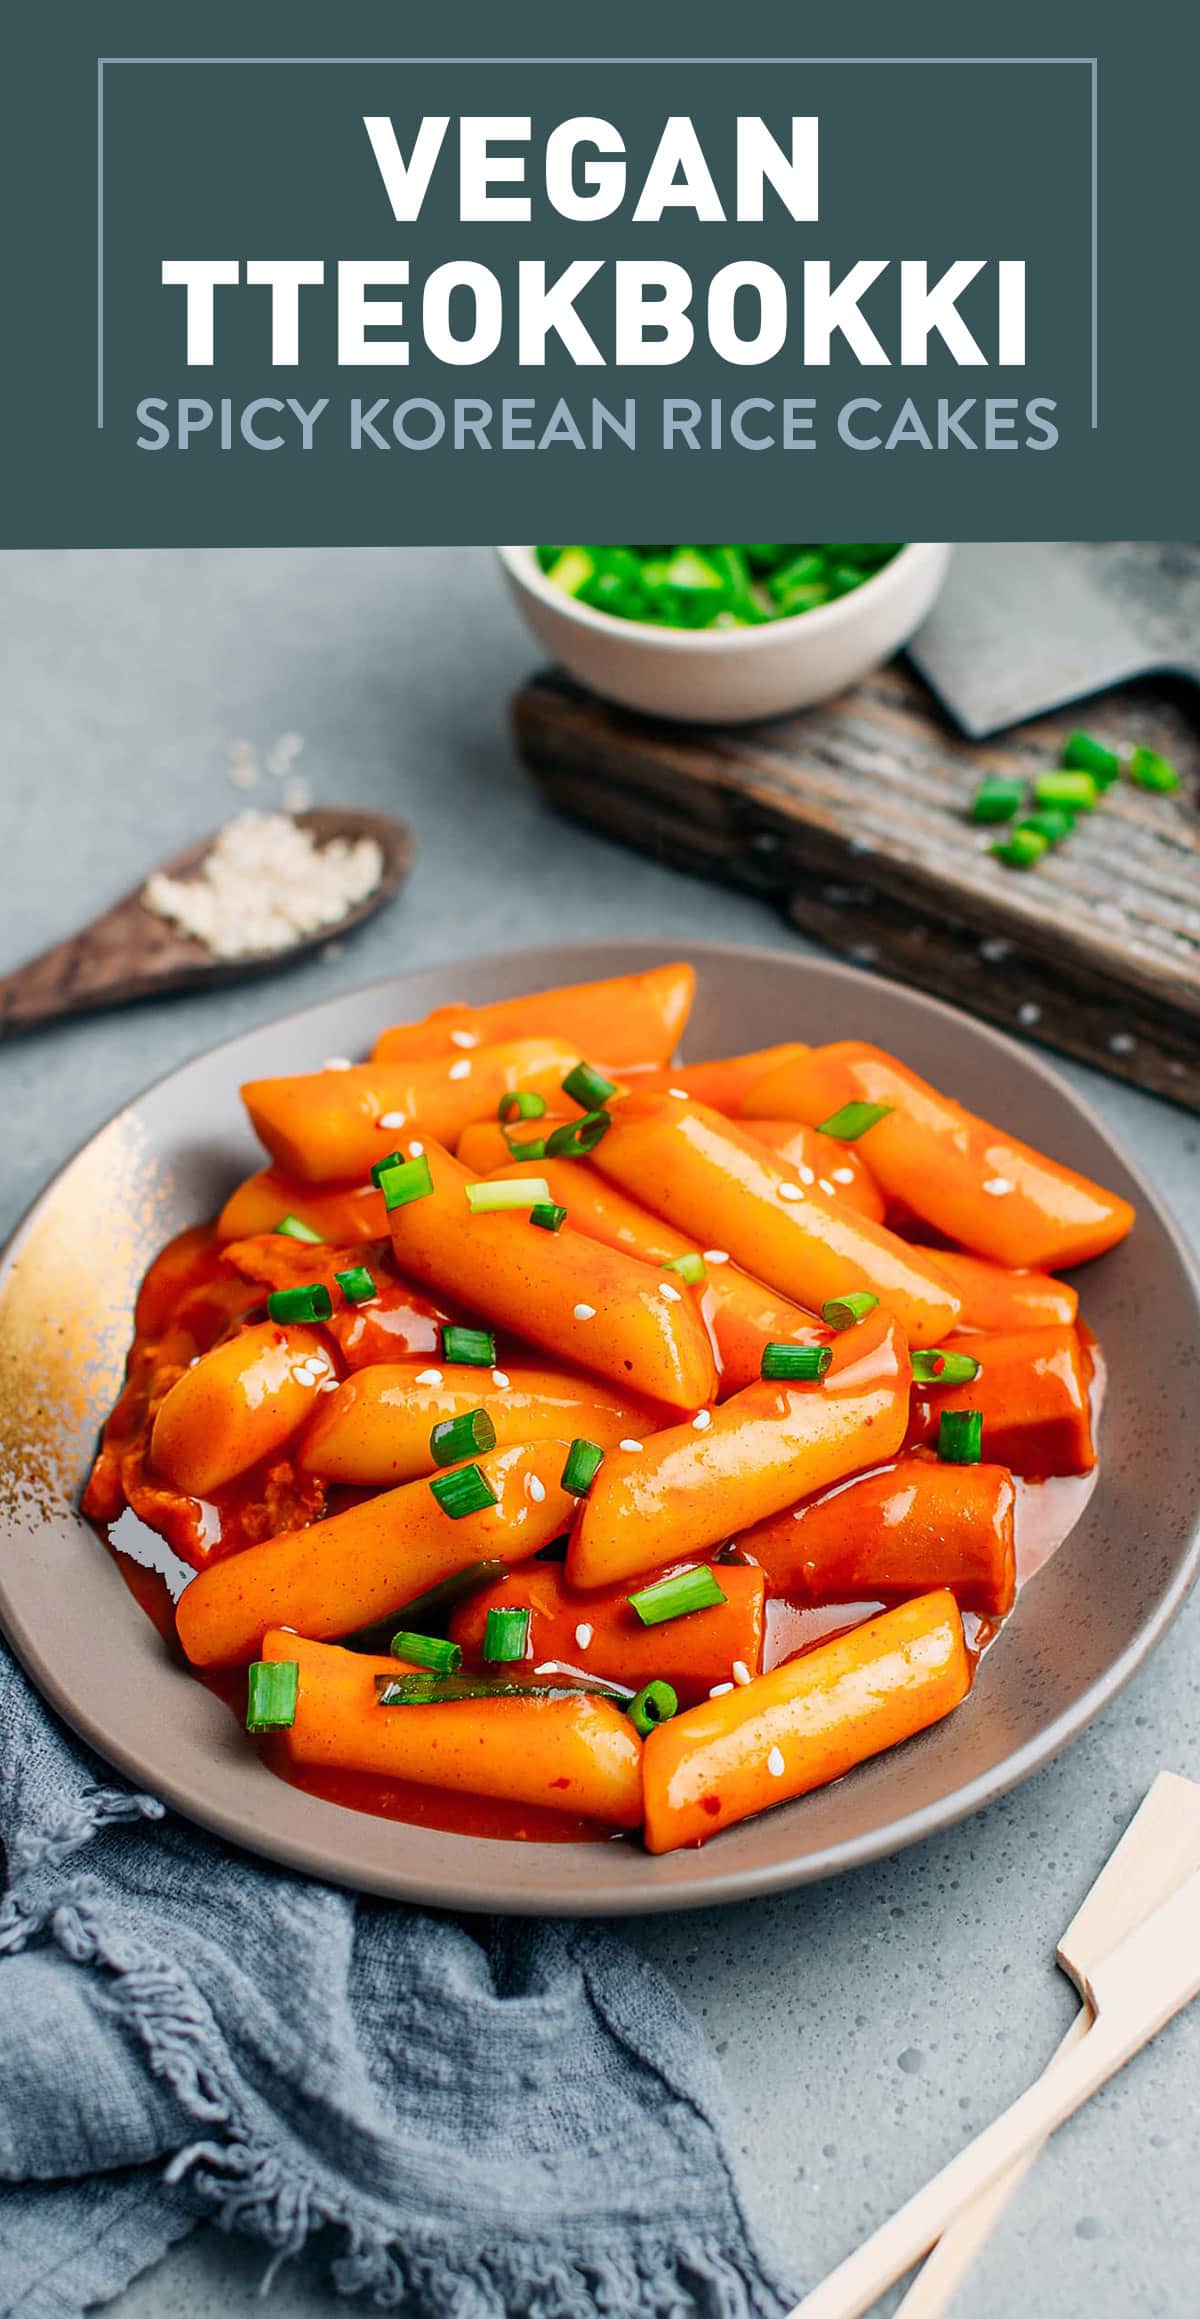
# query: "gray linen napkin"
524, 2123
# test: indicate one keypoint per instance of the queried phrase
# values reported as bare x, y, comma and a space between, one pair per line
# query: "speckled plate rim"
234, 1796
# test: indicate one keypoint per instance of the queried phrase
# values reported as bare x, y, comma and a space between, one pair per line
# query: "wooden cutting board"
853, 816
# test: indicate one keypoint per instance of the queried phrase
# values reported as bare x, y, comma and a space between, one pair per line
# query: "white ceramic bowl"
730, 675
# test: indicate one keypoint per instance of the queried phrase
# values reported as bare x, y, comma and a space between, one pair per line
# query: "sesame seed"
416, 1150
585, 1312
460, 1070
790, 1192
824, 1185
1029, 1012
702, 1420
806, 1174
390, 1119
631, 1444
740, 1671
429, 1377
716, 1256
843, 1175
537, 1488
338, 1063
775, 1764
997, 1186
501, 1378
995, 949
680, 1094
719, 1689
583, 1636
672, 1295
464, 1038
1121, 1043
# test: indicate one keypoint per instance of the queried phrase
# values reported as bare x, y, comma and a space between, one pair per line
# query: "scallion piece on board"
548, 1216
1081, 754
654, 1703
933, 1367
588, 1087
960, 1436
431, 1651
577, 1137
464, 1490
853, 1120
412, 1180
1022, 850
476, 1348
795, 1364
1151, 771
311, 1303
356, 1284
457, 1438
294, 1228
690, 1267
514, 1192
391, 1159
272, 1689
675, 1597
1053, 822
1077, 791
843, 1312
997, 800
584, 1460
522, 1105
505, 1635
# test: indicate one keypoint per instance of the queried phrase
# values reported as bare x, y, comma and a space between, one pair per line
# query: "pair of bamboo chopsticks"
1133, 1950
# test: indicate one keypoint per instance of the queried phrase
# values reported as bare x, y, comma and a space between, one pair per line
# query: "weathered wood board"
853, 816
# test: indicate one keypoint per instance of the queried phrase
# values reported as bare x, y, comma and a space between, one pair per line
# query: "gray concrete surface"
867, 2027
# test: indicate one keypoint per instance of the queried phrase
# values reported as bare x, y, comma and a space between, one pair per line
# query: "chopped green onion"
960, 1436
272, 1689
430, 1651
506, 1635
655, 1703
533, 1149
577, 1137
429, 1690
1076, 790
294, 1228
548, 1216
474, 1347
523, 1105
795, 1364
412, 1180
356, 1284
1021, 850
691, 1267
1150, 771
1081, 754
933, 1367
996, 800
391, 1159
457, 1438
588, 1087
464, 1490
311, 1303
512, 1192
1053, 822
853, 1120
584, 1460
842, 1312
677, 1596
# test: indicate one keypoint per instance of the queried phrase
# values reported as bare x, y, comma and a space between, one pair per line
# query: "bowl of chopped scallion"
722, 633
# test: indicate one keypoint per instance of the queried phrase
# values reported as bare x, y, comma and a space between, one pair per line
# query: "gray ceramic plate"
1082, 1626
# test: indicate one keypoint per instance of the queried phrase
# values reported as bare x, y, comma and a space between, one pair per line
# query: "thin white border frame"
1092, 63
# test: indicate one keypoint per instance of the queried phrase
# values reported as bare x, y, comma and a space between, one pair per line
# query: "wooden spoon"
1132, 1992
130, 952
1158, 1851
